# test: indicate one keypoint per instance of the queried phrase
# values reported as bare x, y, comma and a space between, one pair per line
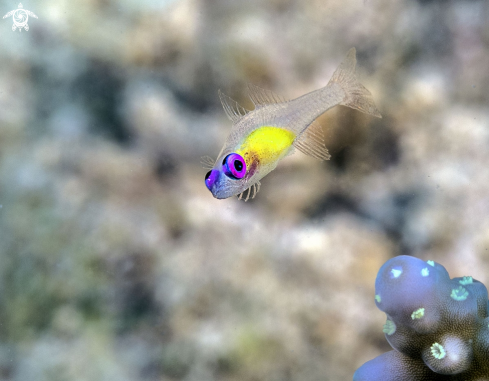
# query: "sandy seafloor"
115, 261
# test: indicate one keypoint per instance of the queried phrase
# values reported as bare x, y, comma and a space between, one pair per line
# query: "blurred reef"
115, 261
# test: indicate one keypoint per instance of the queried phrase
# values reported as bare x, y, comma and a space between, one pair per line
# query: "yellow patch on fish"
266, 144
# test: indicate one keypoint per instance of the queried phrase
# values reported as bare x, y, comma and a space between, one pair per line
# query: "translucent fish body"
259, 139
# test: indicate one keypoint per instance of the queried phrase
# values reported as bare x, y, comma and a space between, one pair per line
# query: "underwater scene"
230, 190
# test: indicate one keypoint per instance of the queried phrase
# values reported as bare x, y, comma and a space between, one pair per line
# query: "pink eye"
234, 166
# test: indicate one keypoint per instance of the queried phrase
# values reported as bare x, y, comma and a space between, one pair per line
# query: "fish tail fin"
357, 96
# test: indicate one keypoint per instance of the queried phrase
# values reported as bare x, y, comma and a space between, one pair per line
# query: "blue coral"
437, 326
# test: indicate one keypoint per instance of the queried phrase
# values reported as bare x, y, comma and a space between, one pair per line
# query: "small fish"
259, 139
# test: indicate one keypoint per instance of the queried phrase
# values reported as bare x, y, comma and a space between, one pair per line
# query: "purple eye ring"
234, 166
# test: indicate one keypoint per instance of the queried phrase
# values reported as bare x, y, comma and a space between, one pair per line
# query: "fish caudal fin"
357, 96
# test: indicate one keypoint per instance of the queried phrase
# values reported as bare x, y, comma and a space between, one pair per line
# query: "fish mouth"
211, 179
218, 193
220, 185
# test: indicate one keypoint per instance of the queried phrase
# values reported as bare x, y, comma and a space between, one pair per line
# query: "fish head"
245, 161
230, 176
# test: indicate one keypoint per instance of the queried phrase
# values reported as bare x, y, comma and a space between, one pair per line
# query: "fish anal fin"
262, 97
311, 142
357, 96
233, 109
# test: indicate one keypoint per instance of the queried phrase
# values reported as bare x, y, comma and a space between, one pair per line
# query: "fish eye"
238, 165
234, 166
207, 175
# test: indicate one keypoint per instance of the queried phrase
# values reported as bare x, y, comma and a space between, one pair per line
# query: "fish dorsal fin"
232, 108
207, 162
311, 142
262, 97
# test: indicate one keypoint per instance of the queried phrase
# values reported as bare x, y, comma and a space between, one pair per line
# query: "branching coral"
438, 327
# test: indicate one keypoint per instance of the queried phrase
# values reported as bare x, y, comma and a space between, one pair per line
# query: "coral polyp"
438, 351
438, 327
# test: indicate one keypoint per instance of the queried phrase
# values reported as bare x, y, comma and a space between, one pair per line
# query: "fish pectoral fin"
233, 109
207, 162
262, 97
311, 142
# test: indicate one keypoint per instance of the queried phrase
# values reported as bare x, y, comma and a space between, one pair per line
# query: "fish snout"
211, 178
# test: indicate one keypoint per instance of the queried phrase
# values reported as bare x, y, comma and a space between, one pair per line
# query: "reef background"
115, 261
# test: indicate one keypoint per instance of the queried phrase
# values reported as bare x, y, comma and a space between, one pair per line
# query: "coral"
437, 326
